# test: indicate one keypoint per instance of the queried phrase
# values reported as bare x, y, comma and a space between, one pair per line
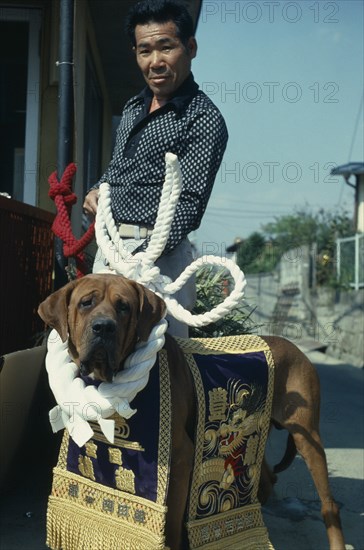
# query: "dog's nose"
103, 327
84, 370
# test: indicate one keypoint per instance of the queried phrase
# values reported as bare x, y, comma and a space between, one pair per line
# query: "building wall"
287, 305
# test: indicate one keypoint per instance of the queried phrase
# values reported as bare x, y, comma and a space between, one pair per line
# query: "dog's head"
103, 316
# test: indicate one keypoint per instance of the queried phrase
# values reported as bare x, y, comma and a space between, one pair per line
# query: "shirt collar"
181, 97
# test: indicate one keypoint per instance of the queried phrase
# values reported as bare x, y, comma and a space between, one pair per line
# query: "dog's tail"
288, 457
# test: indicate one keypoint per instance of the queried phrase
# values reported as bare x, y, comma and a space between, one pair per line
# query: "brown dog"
104, 316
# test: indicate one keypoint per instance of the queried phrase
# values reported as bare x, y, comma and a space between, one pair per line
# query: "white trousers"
172, 265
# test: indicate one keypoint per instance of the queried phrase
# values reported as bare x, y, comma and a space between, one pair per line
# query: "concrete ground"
292, 515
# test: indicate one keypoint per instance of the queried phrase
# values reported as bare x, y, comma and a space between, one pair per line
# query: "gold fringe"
72, 527
110, 503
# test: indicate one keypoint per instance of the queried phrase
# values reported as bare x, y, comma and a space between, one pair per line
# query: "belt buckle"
129, 231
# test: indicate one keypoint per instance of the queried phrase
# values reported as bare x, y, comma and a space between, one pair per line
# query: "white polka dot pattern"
196, 133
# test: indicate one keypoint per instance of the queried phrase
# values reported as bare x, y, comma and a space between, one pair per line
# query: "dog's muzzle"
100, 358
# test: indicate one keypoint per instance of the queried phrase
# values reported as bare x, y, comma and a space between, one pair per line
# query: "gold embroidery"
242, 421
165, 428
227, 478
242, 528
106, 514
122, 427
91, 449
125, 480
97, 512
86, 467
122, 431
115, 456
251, 450
79, 513
212, 470
218, 404
225, 344
199, 437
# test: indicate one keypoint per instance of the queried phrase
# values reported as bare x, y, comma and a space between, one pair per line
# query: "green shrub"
213, 285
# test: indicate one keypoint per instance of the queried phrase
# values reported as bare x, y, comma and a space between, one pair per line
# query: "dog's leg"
296, 407
183, 426
181, 468
266, 482
310, 447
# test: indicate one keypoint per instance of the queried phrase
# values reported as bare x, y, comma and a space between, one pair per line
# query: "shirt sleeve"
200, 160
200, 157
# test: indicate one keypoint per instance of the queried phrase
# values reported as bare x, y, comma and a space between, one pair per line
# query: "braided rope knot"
63, 196
141, 267
63, 187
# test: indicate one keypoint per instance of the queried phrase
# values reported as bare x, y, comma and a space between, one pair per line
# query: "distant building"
232, 250
355, 169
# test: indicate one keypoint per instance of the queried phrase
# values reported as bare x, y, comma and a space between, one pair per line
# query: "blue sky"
288, 78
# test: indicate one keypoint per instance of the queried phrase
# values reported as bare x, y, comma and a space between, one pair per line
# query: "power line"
243, 201
271, 206
355, 129
238, 211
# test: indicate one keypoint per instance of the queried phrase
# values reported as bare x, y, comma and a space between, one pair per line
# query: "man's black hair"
160, 11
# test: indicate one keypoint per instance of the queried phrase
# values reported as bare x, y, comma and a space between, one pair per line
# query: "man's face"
163, 59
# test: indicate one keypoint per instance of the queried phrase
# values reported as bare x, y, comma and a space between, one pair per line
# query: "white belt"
127, 231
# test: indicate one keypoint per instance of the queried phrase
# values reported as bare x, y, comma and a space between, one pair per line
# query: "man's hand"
90, 204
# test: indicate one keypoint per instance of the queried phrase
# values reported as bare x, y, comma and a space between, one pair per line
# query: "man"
170, 115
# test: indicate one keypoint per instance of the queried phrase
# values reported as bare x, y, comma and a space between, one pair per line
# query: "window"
19, 102
93, 127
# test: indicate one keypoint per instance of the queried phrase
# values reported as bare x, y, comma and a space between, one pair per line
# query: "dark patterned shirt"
191, 127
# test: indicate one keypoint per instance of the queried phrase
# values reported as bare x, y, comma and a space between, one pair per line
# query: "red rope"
63, 196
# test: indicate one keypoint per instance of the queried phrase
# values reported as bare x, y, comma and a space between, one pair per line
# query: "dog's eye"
85, 303
122, 307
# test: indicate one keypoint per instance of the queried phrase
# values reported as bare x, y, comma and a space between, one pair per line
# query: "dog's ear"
54, 309
151, 310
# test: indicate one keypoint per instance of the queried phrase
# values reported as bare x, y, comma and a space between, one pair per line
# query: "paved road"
293, 513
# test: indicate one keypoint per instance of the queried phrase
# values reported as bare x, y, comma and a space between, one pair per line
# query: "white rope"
141, 266
78, 404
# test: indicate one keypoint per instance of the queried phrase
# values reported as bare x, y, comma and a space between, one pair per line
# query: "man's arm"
200, 158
